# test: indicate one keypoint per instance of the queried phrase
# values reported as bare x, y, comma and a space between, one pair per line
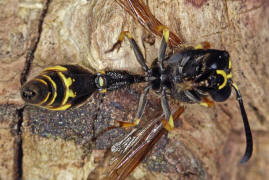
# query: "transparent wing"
142, 13
130, 151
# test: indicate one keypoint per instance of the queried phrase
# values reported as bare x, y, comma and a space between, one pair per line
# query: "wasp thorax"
34, 92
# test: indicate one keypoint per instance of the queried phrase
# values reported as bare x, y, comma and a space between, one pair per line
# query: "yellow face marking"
224, 75
56, 68
60, 108
54, 86
69, 92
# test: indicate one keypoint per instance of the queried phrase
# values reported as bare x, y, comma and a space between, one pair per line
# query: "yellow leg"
165, 31
125, 124
206, 102
170, 124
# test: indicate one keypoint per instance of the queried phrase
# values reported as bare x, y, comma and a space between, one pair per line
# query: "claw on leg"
125, 124
170, 124
165, 32
207, 102
117, 45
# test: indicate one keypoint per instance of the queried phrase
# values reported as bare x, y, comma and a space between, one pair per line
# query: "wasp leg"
206, 102
135, 47
202, 45
141, 107
176, 114
166, 109
163, 46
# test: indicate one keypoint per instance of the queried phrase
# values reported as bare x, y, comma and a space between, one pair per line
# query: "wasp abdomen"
59, 87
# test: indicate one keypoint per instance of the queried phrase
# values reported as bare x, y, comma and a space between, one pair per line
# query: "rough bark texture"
208, 143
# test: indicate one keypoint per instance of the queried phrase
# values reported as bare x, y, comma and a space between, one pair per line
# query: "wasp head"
216, 76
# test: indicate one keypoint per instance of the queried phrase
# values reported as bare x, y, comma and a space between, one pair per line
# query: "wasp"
190, 75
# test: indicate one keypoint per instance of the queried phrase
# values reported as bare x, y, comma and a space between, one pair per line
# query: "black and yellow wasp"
188, 76
191, 75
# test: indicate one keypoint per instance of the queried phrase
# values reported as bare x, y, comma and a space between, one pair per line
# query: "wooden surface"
208, 143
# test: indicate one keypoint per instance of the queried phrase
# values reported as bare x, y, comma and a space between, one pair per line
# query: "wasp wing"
142, 13
131, 150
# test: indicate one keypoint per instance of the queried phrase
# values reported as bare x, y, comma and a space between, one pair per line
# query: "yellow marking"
45, 99
42, 81
224, 75
171, 122
161, 28
169, 126
235, 86
165, 31
48, 94
129, 124
54, 86
166, 35
56, 68
199, 46
102, 72
123, 34
204, 104
60, 108
136, 121
101, 81
103, 90
68, 92
202, 45
229, 76
230, 63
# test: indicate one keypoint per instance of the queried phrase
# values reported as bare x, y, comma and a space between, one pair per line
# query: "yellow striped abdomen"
59, 87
